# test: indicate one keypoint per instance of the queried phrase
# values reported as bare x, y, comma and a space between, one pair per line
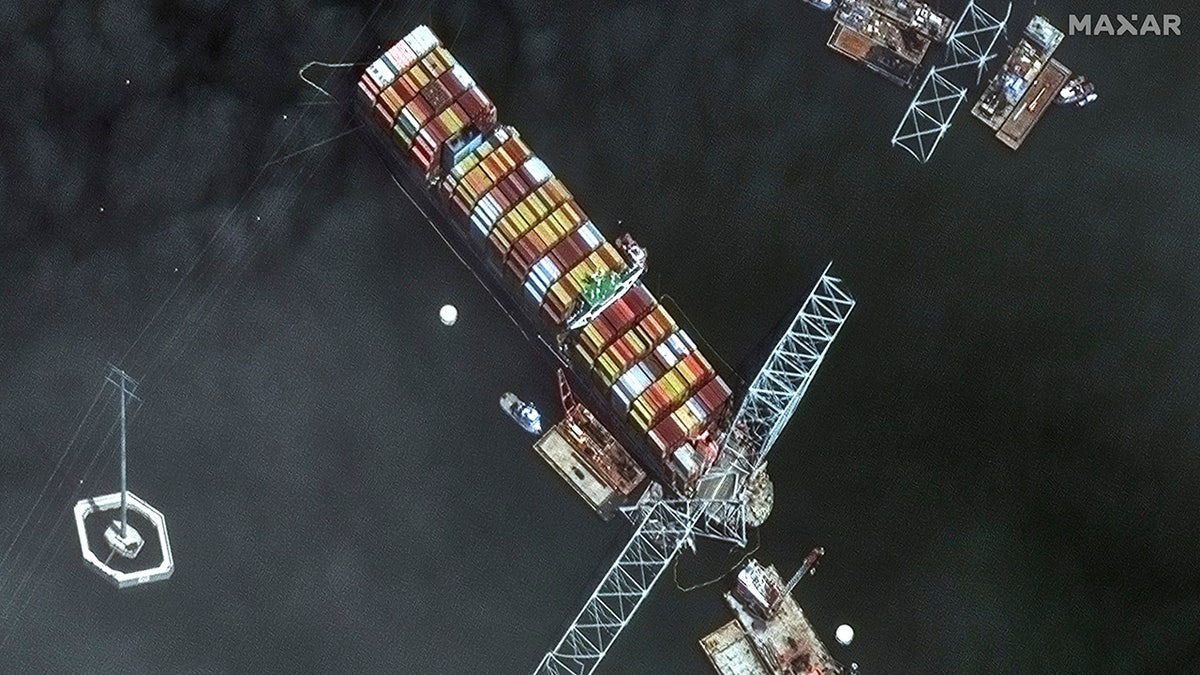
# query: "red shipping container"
405, 88
571, 250
479, 108
437, 95
420, 110
525, 252
452, 83
368, 89
666, 436
714, 395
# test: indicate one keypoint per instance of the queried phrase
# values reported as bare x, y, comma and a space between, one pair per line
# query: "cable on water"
42, 505
722, 575
6, 617
318, 87
50, 479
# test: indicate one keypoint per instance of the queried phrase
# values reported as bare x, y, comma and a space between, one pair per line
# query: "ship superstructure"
584, 290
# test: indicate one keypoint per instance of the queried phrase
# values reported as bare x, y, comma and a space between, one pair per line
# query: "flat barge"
587, 457
1017, 97
890, 37
1033, 104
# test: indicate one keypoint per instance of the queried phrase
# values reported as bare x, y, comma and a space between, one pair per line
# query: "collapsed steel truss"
973, 39
663, 529
718, 509
775, 392
928, 116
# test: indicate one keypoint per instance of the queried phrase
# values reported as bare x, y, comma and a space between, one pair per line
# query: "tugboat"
522, 413
1078, 92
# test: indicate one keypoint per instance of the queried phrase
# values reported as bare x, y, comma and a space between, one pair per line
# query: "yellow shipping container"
641, 414
607, 368
686, 419
438, 61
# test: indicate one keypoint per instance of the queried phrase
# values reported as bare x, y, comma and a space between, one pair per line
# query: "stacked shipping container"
535, 231
424, 97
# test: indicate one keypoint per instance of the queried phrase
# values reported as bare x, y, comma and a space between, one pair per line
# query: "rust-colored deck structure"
588, 458
1033, 105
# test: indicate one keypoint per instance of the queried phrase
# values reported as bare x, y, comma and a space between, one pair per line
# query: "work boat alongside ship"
522, 412
1078, 92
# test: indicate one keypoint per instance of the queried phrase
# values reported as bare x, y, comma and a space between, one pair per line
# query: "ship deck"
889, 60
1033, 104
730, 652
558, 453
771, 644
850, 43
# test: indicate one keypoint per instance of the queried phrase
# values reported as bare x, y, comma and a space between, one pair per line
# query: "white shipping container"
678, 345
631, 384
590, 235
666, 355
462, 76
485, 214
421, 40
381, 73
543, 274
538, 170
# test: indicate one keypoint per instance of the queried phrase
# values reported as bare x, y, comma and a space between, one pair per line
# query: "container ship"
640, 374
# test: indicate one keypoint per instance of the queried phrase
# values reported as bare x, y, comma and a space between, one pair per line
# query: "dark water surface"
1001, 454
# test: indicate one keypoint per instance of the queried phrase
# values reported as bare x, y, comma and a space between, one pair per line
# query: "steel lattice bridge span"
927, 119
720, 508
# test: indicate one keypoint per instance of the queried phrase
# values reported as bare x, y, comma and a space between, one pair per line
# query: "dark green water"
1000, 455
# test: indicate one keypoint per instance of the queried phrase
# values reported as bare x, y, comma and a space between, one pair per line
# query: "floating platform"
890, 37
729, 650
782, 644
583, 452
119, 578
561, 456
1033, 105
1026, 85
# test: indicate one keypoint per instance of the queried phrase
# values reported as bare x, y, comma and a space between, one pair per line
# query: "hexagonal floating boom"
122, 539
129, 545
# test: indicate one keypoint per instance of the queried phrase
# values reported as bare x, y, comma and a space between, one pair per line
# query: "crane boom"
809, 564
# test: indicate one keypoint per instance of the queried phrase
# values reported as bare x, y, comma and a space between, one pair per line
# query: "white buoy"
845, 634
448, 314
